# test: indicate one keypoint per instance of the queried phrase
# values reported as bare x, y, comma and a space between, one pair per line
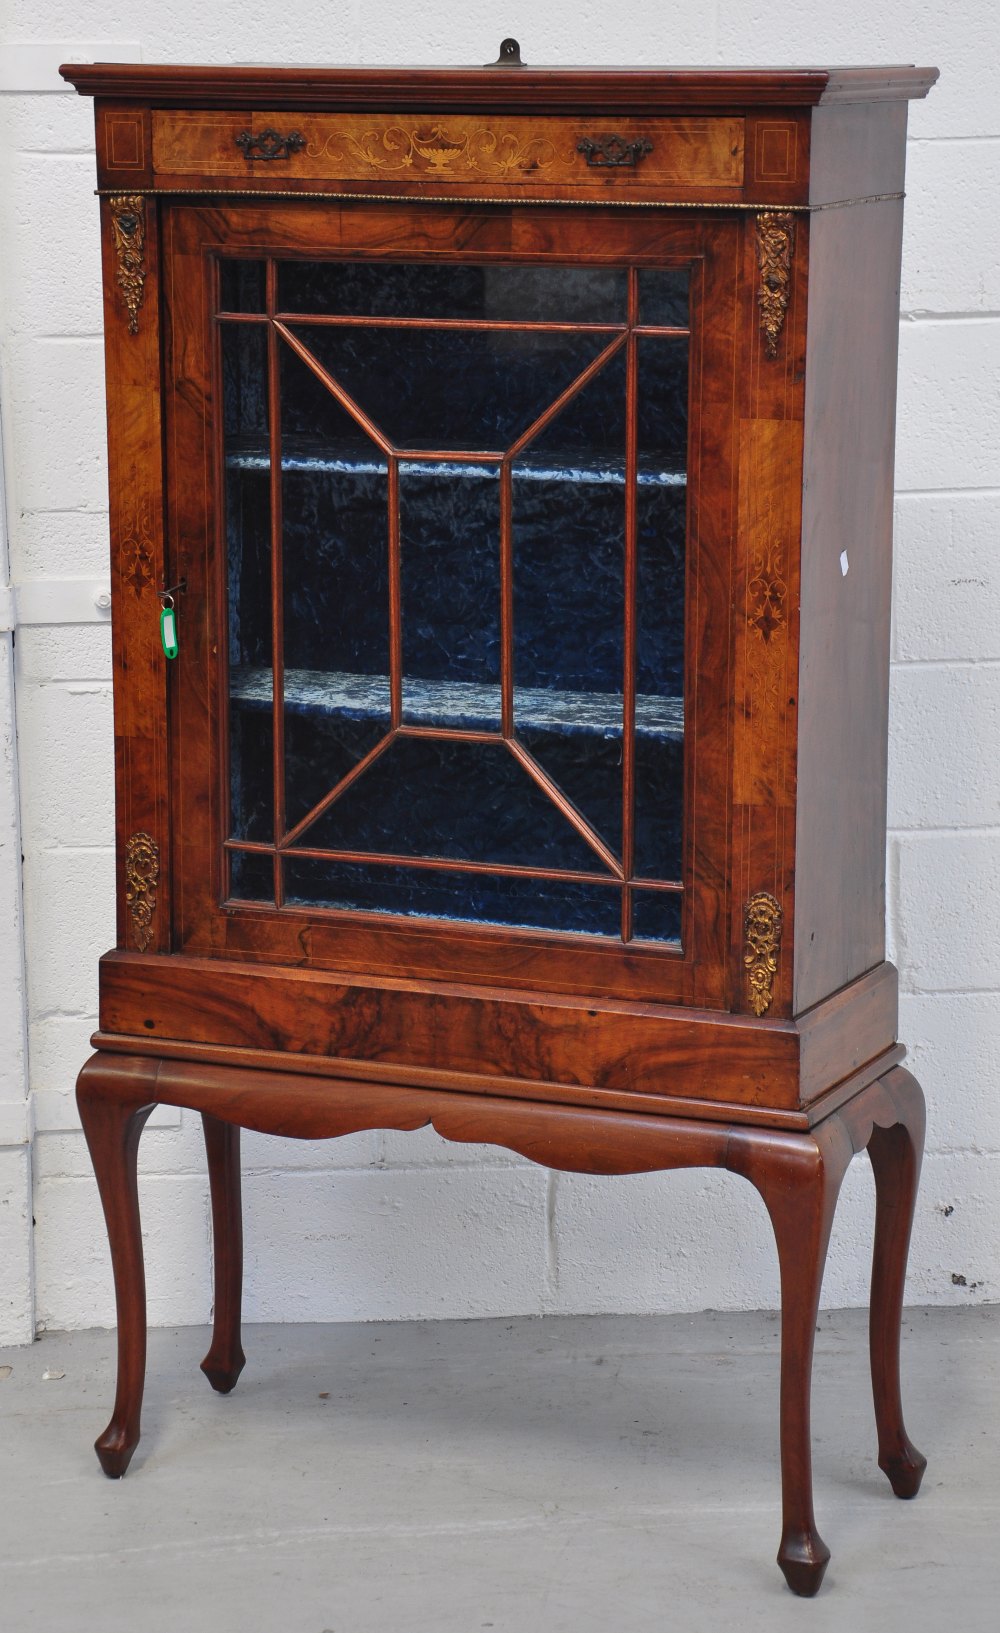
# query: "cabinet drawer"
465, 153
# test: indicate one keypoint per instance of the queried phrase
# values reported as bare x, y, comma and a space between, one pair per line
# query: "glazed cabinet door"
451, 495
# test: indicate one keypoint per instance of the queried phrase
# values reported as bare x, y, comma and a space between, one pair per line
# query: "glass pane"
251, 877
450, 566
518, 294
335, 544
244, 393
656, 915
241, 286
482, 898
659, 803
447, 388
453, 799
251, 763
663, 296
568, 543
663, 407
248, 559
661, 519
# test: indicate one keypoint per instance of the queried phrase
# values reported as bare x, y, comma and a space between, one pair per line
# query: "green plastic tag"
168, 631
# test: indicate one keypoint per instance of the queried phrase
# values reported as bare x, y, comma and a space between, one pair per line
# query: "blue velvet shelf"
350, 463
451, 704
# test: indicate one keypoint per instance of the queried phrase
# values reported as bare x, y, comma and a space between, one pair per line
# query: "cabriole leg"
113, 1128
799, 1179
895, 1154
225, 1359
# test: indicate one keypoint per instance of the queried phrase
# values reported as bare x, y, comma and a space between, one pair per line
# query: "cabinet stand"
798, 1175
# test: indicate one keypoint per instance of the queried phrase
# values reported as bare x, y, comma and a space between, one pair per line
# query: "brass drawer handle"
269, 144
613, 152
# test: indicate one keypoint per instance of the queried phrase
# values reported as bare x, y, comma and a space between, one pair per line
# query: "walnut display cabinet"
501, 480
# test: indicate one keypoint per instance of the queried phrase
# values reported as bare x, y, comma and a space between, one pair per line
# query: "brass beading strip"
600, 203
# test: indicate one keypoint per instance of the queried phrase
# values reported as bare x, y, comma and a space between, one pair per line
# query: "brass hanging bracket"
510, 56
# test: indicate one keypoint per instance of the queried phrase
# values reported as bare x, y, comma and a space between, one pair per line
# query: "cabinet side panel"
856, 151
135, 482
853, 327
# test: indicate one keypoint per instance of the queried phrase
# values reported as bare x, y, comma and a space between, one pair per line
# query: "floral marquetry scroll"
128, 226
436, 149
762, 938
775, 243
767, 624
142, 872
767, 592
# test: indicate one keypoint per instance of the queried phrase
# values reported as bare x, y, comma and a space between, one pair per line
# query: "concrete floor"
602, 1474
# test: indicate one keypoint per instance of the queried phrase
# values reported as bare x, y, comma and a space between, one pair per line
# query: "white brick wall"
392, 1225
16, 1267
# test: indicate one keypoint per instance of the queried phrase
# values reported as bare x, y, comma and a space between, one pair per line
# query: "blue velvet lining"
541, 904
526, 903
656, 915
251, 876
449, 528
451, 389
449, 798
242, 285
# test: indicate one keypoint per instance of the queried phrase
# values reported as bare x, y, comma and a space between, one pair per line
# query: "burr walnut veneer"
509, 452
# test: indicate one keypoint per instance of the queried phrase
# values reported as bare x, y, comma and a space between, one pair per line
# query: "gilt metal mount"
142, 871
775, 243
128, 229
762, 938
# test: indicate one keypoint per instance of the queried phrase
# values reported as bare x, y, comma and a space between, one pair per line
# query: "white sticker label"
844, 563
